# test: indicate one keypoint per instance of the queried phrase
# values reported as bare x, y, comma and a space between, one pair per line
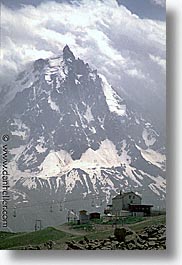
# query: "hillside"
57, 238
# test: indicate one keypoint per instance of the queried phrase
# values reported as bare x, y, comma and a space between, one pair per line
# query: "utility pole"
14, 212
38, 225
116, 219
68, 216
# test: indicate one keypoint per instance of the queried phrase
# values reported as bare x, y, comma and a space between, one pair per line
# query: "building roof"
122, 195
82, 211
141, 205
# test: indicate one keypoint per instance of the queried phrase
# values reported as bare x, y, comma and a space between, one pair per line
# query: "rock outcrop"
150, 238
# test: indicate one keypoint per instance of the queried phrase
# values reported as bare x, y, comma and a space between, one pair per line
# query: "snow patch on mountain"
158, 182
149, 136
88, 114
71, 178
56, 66
113, 100
61, 162
20, 130
158, 185
77, 112
54, 164
14, 172
154, 189
50, 165
92, 162
101, 157
53, 104
40, 148
154, 157
30, 183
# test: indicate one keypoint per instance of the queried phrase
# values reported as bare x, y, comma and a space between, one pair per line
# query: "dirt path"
65, 228
101, 228
149, 221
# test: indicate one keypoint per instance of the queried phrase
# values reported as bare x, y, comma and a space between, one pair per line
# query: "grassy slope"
10, 240
161, 219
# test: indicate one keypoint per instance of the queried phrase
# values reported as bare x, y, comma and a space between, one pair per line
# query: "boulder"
120, 234
86, 239
131, 246
162, 238
144, 236
75, 246
139, 246
112, 238
153, 239
151, 243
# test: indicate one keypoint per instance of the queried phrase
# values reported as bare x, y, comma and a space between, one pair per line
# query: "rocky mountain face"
75, 141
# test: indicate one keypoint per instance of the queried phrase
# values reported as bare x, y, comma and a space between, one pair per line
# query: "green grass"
4, 235
86, 227
12, 240
97, 221
127, 220
149, 221
95, 235
133, 219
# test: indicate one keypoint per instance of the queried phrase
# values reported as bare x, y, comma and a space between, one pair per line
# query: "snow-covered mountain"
74, 139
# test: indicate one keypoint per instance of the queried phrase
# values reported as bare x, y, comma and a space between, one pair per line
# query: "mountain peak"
68, 54
74, 137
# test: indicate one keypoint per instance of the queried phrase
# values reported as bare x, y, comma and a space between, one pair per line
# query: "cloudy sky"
114, 29
124, 39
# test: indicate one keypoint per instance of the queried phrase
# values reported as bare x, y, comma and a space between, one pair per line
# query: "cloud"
161, 3
159, 61
121, 45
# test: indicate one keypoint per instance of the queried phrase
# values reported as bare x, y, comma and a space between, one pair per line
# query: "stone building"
130, 203
83, 217
122, 202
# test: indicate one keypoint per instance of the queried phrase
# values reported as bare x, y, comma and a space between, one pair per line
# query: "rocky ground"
150, 238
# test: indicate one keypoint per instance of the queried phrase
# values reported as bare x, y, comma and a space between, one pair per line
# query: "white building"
121, 203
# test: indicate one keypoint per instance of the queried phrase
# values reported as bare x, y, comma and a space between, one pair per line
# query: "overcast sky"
154, 9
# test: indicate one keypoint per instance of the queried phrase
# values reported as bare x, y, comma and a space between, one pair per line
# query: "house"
140, 209
108, 209
123, 200
94, 215
108, 217
83, 217
72, 216
129, 203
